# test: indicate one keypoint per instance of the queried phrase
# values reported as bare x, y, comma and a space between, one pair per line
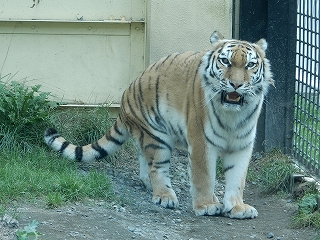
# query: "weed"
55, 199
29, 231
23, 111
308, 203
308, 214
272, 172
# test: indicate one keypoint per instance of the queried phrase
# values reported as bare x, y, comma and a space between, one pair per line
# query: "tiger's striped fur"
206, 102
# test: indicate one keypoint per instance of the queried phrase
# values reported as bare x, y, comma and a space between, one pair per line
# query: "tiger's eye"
250, 64
224, 61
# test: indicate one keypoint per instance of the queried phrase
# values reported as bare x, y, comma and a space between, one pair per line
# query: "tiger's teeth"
227, 97
238, 99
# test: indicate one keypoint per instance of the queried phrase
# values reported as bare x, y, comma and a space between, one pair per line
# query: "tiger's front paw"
208, 209
167, 200
242, 211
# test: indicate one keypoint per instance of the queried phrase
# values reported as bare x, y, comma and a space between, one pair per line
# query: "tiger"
206, 102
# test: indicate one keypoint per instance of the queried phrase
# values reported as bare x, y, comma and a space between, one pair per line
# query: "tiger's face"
238, 71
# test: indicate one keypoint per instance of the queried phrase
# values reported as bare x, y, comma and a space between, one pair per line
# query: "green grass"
272, 173
28, 168
43, 174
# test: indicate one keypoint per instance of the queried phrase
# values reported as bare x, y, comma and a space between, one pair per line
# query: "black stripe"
157, 138
140, 90
102, 153
187, 111
112, 139
141, 139
186, 59
161, 64
228, 168
243, 122
133, 112
50, 131
116, 129
230, 150
246, 134
52, 139
209, 61
217, 117
157, 94
153, 146
150, 68
160, 163
258, 90
172, 60
153, 123
212, 143
213, 128
79, 153
63, 146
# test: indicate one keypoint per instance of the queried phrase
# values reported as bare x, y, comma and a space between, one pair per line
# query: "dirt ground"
139, 218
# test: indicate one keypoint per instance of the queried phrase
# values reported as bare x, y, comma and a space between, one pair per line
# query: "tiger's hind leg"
154, 159
144, 172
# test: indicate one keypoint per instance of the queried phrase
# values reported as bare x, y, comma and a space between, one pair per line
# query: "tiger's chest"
231, 130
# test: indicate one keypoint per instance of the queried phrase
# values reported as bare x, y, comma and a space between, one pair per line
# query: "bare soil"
136, 217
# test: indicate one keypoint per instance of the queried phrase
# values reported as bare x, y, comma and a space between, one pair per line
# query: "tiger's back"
206, 102
159, 100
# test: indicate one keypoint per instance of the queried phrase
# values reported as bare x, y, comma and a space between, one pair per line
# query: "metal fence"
306, 138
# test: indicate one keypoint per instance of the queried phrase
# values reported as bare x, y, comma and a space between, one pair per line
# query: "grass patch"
28, 168
41, 174
81, 125
272, 172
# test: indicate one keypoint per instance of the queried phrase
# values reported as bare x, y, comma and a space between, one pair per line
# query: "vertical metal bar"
306, 144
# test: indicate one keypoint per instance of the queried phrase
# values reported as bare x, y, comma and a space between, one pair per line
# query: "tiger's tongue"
233, 96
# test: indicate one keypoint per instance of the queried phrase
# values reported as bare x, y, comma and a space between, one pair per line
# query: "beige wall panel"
180, 25
72, 10
78, 62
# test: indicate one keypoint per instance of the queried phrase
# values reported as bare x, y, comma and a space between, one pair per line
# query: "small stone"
270, 235
131, 229
178, 220
230, 224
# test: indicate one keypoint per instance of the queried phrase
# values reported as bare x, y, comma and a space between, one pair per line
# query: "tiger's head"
235, 72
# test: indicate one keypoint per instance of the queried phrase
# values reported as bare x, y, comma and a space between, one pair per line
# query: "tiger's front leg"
203, 173
235, 167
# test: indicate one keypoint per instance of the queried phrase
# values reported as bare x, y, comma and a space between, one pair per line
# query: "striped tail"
105, 146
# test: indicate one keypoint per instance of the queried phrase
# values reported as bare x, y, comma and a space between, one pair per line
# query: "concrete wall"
182, 25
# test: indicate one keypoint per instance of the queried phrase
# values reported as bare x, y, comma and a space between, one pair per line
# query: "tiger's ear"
262, 43
215, 37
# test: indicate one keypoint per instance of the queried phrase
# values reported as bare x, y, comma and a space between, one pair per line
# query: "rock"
9, 221
270, 235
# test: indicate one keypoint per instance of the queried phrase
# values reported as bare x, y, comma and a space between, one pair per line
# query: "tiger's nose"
235, 85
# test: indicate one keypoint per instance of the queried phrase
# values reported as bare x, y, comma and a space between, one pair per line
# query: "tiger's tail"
105, 146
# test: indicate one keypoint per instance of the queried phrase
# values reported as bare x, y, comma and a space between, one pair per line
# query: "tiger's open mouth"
232, 98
